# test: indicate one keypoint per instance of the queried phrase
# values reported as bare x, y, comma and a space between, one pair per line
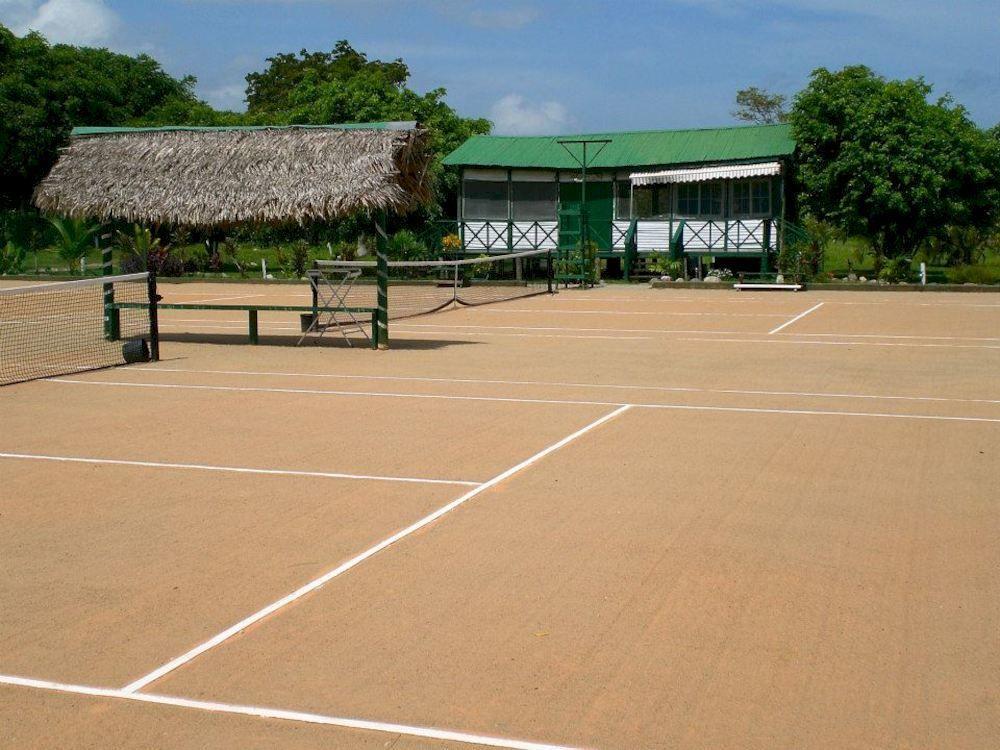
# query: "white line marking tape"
358, 559
801, 315
558, 384
233, 469
383, 394
277, 713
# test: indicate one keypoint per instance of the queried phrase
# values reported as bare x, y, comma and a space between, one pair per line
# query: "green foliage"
961, 246
880, 161
405, 245
345, 86
47, 89
760, 106
142, 251
583, 261
12, 258
984, 274
662, 265
74, 238
895, 270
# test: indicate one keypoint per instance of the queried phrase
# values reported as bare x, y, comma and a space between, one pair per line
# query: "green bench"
253, 310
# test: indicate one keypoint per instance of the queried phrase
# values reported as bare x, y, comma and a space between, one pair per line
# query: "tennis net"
418, 287
72, 326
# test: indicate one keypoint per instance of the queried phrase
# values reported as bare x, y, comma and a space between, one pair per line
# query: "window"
687, 199
699, 199
484, 199
741, 198
711, 199
761, 190
623, 200
651, 201
752, 198
534, 201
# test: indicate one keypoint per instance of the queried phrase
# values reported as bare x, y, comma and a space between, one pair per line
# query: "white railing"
503, 236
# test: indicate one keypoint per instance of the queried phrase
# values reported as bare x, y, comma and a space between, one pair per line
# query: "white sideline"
384, 394
559, 384
358, 559
233, 469
278, 713
801, 315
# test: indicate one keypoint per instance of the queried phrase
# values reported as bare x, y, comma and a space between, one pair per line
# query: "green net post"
112, 324
382, 279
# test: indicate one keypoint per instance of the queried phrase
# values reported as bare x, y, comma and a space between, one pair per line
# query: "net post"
252, 322
154, 324
112, 316
549, 271
374, 337
382, 278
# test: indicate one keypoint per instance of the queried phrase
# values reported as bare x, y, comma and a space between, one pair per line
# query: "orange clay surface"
790, 539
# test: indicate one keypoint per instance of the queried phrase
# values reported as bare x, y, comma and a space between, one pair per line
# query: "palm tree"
73, 238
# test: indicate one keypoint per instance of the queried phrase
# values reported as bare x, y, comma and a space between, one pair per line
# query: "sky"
541, 67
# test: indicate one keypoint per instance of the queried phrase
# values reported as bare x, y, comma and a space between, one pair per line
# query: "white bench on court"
769, 287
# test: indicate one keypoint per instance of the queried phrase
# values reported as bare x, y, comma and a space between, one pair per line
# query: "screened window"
623, 200
741, 198
687, 199
761, 190
534, 201
484, 199
711, 199
752, 198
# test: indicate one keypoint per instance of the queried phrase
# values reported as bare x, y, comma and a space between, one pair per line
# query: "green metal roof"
629, 149
84, 131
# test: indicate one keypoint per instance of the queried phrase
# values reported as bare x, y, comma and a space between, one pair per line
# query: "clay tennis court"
607, 518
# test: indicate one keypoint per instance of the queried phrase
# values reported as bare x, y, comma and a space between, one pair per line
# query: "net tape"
65, 327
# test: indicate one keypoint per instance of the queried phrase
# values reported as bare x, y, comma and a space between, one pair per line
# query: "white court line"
801, 315
629, 312
264, 329
233, 469
383, 394
844, 343
238, 325
560, 384
278, 713
216, 299
360, 558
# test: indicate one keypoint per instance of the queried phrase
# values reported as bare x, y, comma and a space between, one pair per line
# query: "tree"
880, 161
760, 106
45, 90
345, 86
74, 238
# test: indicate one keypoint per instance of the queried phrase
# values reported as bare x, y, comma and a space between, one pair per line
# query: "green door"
600, 210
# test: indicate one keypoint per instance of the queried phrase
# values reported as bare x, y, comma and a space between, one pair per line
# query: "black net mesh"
421, 287
62, 328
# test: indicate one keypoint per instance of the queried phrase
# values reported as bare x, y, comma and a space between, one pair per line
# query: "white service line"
564, 384
383, 394
283, 714
233, 469
842, 343
801, 315
630, 312
360, 558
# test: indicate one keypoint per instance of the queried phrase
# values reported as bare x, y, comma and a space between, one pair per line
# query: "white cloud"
86, 22
512, 115
229, 97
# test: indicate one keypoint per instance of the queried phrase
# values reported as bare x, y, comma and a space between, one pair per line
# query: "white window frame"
749, 182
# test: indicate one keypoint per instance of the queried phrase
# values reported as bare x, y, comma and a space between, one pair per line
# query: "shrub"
74, 238
300, 258
451, 244
141, 251
895, 270
974, 275
12, 258
405, 245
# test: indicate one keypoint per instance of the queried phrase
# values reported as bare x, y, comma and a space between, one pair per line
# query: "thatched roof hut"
212, 177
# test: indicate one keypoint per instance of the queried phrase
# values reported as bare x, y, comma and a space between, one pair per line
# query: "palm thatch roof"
211, 177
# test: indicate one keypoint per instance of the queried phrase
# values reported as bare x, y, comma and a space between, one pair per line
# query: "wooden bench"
253, 310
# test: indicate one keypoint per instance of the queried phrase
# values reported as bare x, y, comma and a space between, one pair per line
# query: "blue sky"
542, 67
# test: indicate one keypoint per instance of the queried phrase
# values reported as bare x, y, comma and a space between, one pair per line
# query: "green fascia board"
90, 130
628, 149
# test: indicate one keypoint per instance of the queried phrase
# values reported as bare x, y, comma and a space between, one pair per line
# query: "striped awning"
702, 174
